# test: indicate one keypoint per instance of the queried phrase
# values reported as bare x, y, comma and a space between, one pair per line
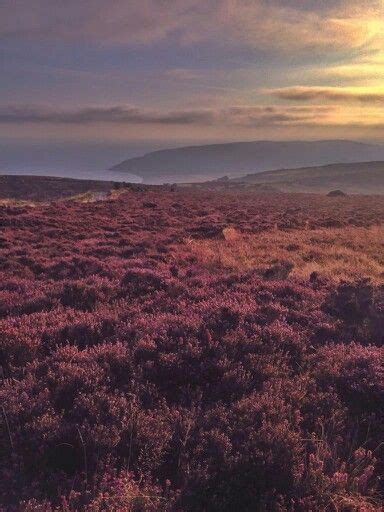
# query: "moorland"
189, 350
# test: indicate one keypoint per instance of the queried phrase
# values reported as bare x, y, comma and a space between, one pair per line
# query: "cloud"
114, 114
333, 94
273, 25
246, 116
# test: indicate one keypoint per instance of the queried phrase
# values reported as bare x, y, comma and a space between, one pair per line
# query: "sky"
119, 70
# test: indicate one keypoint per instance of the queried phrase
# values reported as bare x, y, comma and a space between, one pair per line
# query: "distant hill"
354, 178
46, 188
198, 163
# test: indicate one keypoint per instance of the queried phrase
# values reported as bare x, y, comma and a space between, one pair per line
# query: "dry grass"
17, 203
343, 253
88, 197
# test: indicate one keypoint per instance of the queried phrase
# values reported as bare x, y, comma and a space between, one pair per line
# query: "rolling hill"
198, 163
353, 178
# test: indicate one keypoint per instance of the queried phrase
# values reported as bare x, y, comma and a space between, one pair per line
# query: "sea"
82, 160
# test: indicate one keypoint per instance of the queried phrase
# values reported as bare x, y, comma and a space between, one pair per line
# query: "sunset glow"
176, 66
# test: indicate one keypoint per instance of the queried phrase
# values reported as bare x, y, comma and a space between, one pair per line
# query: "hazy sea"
82, 160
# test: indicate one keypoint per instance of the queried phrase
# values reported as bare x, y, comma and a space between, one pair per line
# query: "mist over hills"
197, 163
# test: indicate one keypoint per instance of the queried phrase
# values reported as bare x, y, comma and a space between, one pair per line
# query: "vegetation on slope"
139, 376
336, 253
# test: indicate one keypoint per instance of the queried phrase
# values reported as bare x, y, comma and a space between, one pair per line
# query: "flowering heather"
156, 356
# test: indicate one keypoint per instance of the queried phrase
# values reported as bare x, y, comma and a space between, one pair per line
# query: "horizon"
95, 159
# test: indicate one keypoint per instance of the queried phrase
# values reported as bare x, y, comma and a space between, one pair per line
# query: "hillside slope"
354, 178
198, 163
47, 188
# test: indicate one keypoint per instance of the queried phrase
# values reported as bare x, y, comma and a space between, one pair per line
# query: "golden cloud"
372, 95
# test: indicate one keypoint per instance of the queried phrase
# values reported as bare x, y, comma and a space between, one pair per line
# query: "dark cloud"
115, 114
243, 116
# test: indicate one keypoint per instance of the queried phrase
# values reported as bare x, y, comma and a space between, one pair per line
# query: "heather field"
176, 350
